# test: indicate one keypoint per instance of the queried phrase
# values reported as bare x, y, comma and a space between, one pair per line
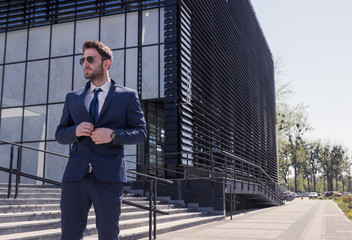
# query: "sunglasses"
90, 60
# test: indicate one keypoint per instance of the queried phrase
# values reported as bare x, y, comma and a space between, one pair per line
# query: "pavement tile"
300, 219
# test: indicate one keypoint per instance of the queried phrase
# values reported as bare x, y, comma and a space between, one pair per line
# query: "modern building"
203, 71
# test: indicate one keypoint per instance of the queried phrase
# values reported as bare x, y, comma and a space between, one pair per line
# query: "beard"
95, 74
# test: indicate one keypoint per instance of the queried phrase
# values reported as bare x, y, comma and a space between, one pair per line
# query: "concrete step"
29, 208
143, 232
41, 220
27, 201
125, 234
56, 214
56, 207
33, 200
47, 220
35, 195
35, 214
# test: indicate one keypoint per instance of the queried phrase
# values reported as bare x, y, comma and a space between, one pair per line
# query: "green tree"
291, 124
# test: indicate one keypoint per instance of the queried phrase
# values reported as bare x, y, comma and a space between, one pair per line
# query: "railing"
218, 164
152, 180
234, 169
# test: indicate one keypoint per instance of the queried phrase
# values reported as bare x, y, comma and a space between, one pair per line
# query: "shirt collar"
105, 87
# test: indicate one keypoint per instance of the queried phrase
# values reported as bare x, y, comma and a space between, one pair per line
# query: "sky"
314, 39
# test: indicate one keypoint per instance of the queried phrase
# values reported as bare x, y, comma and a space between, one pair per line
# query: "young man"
97, 120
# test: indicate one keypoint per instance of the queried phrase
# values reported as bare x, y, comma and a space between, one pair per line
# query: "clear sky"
314, 37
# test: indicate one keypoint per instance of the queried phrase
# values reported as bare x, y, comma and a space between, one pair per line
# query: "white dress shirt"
101, 96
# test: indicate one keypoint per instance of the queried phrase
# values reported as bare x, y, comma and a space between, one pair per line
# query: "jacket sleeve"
136, 131
66, 130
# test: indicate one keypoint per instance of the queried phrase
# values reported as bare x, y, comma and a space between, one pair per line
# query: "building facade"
203, 71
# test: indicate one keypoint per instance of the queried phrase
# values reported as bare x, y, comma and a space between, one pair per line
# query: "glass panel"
2, 47
116, 71
152, 137
60, 79
62, 39
130, 153
132, 29
150, 72
150, 27
79, 79
113, 31
34, 123
55, 165
82, 34
11, 124
13, 85
162, 71
131, 68
160, 124
5, 153
162, 27
39, 42
54, 115
1, 71
37, 82
33, 163
16, 46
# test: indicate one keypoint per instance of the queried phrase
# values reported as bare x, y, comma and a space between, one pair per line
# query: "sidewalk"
299, 219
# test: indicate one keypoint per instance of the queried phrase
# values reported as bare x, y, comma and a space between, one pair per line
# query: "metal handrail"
208, 166
152, 180
228, 165
67, 156
32, 148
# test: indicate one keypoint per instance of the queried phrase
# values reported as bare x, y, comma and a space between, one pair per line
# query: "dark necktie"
94, 105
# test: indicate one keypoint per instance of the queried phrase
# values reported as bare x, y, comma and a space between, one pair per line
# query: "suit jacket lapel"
108, 99
81, 102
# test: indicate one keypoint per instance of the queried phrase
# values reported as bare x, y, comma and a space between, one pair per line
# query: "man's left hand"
101, 135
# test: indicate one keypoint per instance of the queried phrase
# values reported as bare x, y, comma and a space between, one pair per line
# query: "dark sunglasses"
90, 60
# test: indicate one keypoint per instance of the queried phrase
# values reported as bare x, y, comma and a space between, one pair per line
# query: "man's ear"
107, 63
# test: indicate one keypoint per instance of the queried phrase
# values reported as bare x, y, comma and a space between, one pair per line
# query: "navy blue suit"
121, 111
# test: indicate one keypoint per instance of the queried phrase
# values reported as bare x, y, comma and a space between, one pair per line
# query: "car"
313, 195
328, 194
304, 194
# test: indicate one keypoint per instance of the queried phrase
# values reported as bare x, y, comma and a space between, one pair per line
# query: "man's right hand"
84, 129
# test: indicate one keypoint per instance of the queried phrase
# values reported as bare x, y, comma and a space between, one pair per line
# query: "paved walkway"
299, 219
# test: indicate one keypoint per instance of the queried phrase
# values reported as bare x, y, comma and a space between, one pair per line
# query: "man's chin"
87, 76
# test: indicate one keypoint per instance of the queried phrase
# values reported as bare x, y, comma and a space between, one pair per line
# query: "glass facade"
202, 69
39, 65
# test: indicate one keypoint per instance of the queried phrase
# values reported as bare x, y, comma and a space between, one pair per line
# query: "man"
97, 120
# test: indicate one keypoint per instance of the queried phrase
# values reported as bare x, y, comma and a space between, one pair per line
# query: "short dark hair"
102, 49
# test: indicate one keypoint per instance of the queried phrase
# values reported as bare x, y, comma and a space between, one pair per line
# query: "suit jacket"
122, 112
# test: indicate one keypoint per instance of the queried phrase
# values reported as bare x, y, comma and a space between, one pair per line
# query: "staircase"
35, 214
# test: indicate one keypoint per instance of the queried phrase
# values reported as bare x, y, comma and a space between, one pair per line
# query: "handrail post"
212, 166
19, 166
249, 182
226, 171
234, 174
186, 183
231, 202
212, 182
10, 173
150, 208
155, 197
242, 174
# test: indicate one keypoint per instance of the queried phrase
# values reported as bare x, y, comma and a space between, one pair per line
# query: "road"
299, 219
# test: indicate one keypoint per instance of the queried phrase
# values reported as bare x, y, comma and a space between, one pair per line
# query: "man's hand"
84, 129
101, 135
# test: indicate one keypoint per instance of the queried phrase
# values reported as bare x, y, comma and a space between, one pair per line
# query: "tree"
291, 125
338, 162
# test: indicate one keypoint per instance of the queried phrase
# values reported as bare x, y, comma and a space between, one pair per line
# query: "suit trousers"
76, 201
